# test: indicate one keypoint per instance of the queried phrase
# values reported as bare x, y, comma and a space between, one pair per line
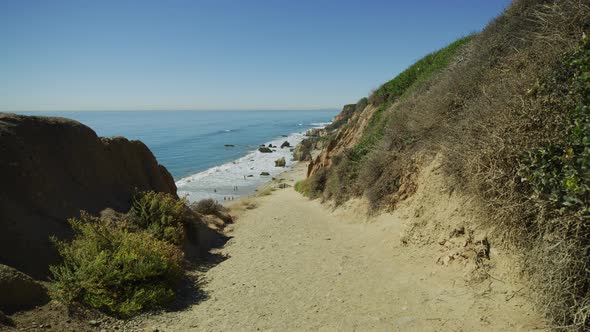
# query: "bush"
560, 172
302, 187
160, 214
120, 272
207, 206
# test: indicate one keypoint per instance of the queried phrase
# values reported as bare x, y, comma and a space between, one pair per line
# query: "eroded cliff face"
346, 136
50, 169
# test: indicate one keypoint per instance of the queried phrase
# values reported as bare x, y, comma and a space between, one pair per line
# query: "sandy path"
294, 265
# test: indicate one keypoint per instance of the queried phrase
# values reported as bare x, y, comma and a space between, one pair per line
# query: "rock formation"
346, 137
281, 162
51, 168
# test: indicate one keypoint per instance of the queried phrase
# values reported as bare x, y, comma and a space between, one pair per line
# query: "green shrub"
560, 172
108, 268
160, 214
207, 206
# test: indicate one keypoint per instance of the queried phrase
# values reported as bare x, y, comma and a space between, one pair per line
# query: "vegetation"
508, 111
126, 265
342, 180
416, 74
559, 173
161, 215
109, 268
556, 176
207, 207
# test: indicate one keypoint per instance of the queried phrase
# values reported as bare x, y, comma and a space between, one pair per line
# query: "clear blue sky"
217, 54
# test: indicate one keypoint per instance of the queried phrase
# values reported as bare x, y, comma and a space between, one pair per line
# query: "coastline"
243, 177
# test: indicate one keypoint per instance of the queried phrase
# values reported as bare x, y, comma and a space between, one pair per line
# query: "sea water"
210, 154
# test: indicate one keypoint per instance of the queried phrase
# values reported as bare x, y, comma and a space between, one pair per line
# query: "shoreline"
288, 177
243, 177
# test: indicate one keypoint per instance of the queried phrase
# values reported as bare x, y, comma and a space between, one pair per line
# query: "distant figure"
224, 198
214, 190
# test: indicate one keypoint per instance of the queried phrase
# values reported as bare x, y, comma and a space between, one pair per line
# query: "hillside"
504, 115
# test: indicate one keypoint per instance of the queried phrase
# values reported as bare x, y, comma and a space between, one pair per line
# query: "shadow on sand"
200, 259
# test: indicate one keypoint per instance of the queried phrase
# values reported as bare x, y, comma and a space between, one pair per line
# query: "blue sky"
217, 54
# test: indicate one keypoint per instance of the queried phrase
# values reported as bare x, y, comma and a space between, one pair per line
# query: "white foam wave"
320, 124
239, 177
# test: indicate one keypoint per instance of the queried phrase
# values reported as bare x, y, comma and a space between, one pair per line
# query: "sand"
296, 265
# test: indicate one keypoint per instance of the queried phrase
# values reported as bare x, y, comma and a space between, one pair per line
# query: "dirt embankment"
50, 169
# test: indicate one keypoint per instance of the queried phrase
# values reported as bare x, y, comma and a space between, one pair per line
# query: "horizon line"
177, 110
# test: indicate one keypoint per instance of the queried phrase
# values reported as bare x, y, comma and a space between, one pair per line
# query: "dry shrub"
207, 206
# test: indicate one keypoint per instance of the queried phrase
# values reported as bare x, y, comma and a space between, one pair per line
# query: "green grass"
398, 88
416, 74
302, 187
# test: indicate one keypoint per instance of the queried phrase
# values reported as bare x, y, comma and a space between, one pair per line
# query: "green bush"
560, 172
108, 268
160, 214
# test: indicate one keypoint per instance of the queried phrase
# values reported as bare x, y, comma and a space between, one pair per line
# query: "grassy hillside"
508, 109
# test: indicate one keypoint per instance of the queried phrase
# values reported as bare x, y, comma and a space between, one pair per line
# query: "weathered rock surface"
264, 149
281, 162
346, 137
302, 151
19, 291
285, 144
50, 169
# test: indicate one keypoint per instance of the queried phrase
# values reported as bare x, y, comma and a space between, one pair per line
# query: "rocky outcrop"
281, 162
346, 137
19, 291
264, 149
302, 151
51, 168
285, 144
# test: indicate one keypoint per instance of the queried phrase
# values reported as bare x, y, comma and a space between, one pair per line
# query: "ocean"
192, 144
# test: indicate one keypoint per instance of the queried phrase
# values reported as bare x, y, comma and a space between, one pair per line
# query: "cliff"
353, 125
50, 169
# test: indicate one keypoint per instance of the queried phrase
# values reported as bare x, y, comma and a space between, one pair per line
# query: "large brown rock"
50, 169
19, 291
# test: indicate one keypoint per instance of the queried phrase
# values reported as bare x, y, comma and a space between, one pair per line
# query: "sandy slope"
296, 265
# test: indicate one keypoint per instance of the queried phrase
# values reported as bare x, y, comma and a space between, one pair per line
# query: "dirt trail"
295, 265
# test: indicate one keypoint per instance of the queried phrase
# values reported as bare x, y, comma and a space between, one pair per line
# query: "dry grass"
480, 113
